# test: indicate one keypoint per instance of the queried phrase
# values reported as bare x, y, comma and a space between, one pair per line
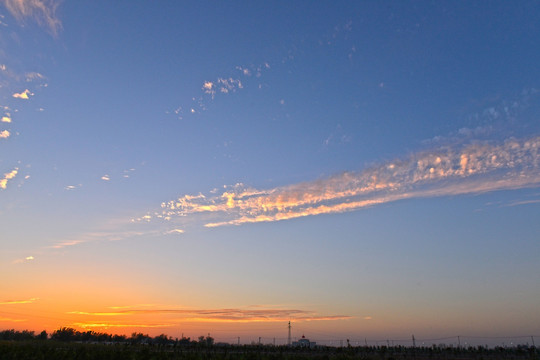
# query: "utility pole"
239, 341
458, 342
532, 338
413, 342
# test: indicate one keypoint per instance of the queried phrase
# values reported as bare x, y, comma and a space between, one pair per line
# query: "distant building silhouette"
303, 342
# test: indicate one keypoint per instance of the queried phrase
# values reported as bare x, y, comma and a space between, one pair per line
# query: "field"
51, 349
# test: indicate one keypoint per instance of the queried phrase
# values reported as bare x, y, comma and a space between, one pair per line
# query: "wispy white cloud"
218, 86
126, 173
175, 231
338, 136
209, 88
66, 243
33, 76
106, 177
72, 187
26, 259
245, 71
8, 176
98, 236
256, 70
229, 85
42, 12
524, 202
221, 85
6, 118
446, 171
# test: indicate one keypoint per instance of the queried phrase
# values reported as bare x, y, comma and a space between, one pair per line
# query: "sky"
363, 169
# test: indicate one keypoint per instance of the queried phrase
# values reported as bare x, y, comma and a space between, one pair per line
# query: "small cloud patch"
25, 95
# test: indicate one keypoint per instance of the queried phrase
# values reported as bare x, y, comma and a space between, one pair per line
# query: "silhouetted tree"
66, 334
184, 341
162, 340
119, 338
206, 341
140, 338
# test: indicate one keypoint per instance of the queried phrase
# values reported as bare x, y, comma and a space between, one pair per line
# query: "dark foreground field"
21, 350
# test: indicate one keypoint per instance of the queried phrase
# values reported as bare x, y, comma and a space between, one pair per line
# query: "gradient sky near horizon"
363, 169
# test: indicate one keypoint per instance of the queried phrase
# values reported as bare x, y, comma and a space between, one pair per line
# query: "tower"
289, 338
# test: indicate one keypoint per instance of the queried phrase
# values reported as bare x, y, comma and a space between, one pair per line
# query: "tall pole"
289, 338
413, 341
532, 338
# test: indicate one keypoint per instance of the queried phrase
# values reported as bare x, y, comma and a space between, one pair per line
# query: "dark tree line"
22, 335
67, 334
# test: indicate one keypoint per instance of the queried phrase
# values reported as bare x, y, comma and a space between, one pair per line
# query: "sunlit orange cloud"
123, 313
131, 306
4, 134
8, 176
6, 119
13, 302
23, 95
12, 320
474, 168
323, 209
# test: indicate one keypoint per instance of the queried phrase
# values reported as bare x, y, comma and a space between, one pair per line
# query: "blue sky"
362, 169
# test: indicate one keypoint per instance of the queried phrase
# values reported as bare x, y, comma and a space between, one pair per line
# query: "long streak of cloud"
470, 169
91, 325
224, 315
15, 302
11, 319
